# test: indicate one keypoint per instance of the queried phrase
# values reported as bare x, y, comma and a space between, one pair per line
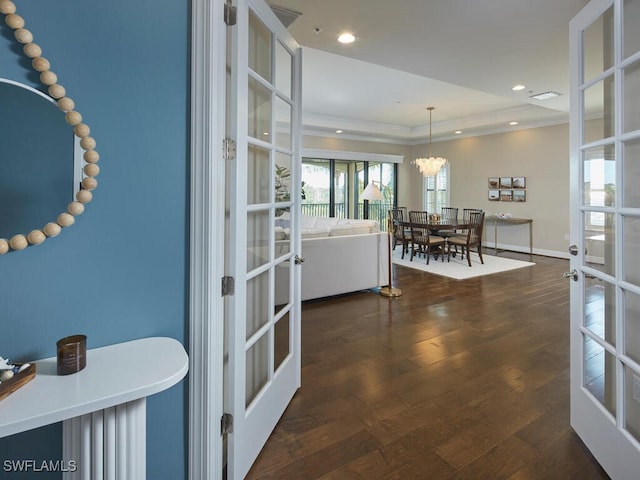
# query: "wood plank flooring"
453, 380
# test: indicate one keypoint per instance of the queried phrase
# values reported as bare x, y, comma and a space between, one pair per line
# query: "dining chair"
467, 211
421, 240
400, 234
448, 214
473, 237
462, 233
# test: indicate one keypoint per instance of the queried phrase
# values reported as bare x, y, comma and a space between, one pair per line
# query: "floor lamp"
372, 192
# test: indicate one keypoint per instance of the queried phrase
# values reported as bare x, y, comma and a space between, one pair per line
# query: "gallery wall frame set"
507, 189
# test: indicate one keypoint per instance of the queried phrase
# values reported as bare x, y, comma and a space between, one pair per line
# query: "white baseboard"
525, 249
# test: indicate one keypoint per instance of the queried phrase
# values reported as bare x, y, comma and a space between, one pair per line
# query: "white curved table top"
114, 374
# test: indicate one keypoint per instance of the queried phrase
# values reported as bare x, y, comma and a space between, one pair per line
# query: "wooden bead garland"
57, 91
75, 208
14, 21
23, 36
32, 50
81, 130
91, 156
7, 7
36, 237
84, 196
18, 242
88, 143
48, 78
91, 170
89, 183
52, 229
66, 104
65, 219
40, 64
72, 117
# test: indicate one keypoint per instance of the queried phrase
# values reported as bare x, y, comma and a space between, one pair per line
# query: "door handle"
298, 260
573, 275
573, 250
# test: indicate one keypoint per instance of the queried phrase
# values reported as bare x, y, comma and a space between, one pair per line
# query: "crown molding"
351, 155
319, 125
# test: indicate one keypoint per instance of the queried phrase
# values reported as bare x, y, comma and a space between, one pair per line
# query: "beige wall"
539, 154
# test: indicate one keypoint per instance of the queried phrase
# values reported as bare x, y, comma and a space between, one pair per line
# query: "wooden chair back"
467, 211
397, 216
419, 234
449, 213
476, 225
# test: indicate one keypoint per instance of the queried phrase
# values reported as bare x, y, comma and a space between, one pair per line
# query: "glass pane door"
264, 317
605, 226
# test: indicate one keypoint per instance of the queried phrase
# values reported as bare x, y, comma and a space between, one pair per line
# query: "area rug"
459, 269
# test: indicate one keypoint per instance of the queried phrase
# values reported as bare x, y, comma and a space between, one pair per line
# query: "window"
332, 188
599, 189
436, 191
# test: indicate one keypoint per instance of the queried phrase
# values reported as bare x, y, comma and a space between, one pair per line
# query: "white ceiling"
460, 56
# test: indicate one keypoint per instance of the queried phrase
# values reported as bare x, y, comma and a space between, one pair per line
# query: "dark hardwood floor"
453, 380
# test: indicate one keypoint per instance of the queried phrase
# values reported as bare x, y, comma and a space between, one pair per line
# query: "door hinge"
228, 286
229, 149
230, 14
226, 423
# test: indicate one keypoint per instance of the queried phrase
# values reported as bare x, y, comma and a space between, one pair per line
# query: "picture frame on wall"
494, 195
519, 196
506, 195
494, 182
506, 182
519, 182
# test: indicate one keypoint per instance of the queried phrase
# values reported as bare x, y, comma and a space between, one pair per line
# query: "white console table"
102, 407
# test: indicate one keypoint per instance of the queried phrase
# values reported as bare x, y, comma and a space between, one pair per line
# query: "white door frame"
206, 306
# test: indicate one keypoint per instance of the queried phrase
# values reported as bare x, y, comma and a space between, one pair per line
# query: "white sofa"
340, 255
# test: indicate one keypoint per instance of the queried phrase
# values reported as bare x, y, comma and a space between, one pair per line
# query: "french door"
263, 315
605, 230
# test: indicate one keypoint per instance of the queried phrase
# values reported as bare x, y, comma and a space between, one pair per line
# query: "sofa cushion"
282, 222
314, 227
348, 229
314, 232
319, 222
371, 225
280, 234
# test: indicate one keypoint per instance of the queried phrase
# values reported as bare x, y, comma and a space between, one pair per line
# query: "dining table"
435, 226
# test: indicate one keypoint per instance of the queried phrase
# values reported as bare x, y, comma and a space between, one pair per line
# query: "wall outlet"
566, 236
636, 388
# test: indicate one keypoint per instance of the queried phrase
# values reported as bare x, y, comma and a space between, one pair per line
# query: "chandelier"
429, 167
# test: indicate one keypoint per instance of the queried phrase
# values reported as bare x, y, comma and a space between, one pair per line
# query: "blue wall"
121, 271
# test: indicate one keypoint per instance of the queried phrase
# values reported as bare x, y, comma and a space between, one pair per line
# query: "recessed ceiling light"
513, 123
545, 95
517, 88
346, 38
458, 132
338, 131
266, 134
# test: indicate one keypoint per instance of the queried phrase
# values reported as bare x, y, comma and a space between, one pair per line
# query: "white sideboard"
102, 407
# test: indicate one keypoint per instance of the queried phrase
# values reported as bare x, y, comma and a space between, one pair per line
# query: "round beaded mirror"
57, 92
